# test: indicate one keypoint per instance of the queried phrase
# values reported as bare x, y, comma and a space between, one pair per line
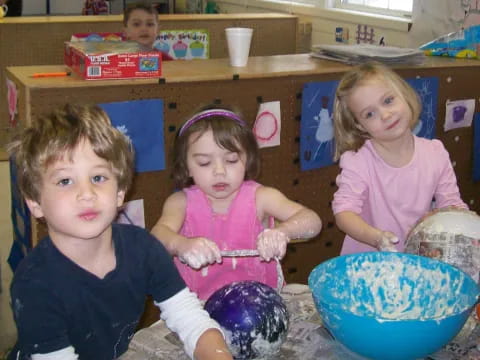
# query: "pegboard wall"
280, 165
40, 40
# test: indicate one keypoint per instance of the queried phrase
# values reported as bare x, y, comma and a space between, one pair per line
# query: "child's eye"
232, 158
64, 182
389, 100
98, 179
369, 115
203, 164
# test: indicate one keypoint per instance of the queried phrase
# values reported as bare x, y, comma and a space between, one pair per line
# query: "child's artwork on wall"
476, 148
458, 114
142, 122
317, 143
316, 128
427, 90
21, 225
132, 212
12, 97
267, 126
184, 44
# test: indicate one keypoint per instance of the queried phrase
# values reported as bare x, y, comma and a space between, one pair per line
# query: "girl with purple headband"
221, 209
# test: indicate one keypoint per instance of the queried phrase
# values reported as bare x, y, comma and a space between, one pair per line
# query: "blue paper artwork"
21, 225
427, 90
476, 147
317, 143
142, 122
316, 127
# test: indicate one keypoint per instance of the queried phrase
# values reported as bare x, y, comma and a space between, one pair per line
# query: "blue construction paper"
317, 145
476, 147
142, 122
427, 90
20, 216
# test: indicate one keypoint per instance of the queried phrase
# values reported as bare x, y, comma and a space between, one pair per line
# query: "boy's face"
142, 27
78, 197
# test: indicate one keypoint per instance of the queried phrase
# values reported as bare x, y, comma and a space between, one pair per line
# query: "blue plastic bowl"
392, 306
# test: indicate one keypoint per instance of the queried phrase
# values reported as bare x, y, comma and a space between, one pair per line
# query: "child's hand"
198, 252
272, 243
387, 241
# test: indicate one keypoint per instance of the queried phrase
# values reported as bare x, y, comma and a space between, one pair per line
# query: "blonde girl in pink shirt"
222, 209
389, 177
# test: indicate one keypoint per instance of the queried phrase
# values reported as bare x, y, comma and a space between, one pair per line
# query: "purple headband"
207, 113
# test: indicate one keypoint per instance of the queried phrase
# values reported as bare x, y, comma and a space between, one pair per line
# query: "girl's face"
142, 27
218, 172
380, 111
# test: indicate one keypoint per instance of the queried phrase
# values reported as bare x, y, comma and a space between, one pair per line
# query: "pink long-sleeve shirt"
393, 199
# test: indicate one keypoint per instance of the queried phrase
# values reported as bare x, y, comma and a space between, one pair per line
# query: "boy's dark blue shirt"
57, 304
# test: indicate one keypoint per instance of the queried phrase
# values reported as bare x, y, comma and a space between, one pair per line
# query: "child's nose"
219, 168
385, 113
86, 191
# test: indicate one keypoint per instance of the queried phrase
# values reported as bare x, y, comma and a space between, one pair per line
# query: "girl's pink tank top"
236, 230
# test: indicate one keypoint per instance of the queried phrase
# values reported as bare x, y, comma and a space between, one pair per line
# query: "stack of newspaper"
356, 54
307, 338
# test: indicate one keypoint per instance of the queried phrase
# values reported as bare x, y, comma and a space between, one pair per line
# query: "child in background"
140, 24
95, 7
221, 208
81, 291
389, 176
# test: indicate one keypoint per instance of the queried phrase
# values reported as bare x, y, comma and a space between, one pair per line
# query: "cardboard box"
112, 60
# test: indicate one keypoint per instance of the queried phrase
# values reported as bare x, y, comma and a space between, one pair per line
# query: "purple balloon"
253, 317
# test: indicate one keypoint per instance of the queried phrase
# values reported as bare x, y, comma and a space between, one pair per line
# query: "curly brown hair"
57, 134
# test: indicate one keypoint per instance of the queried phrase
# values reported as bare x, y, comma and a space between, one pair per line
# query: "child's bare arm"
170, 222
354, 226
211, 346
195, 252
297, 221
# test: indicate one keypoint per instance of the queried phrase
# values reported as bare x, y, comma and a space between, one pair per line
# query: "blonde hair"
348, 135
56, 135
228, 132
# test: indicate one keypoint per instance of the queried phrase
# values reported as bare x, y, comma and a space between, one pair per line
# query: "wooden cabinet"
186, 85
43, 40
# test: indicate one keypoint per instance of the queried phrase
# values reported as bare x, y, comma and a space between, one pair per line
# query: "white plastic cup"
3, 10
238, 41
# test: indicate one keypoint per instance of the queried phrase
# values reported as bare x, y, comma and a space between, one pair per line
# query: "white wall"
324, 21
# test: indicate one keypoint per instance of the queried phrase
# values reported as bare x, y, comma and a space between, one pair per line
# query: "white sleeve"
67, 353
183, 313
